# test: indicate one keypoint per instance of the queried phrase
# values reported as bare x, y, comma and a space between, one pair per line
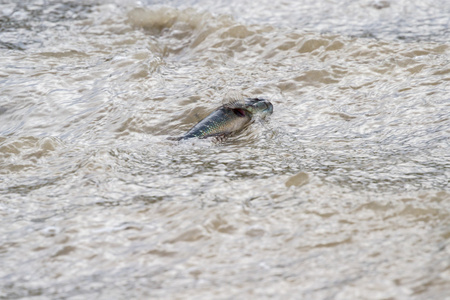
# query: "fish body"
229, 118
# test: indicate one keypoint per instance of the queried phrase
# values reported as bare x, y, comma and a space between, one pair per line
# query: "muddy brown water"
342, 194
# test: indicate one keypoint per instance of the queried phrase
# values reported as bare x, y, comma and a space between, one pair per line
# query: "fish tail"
175, 138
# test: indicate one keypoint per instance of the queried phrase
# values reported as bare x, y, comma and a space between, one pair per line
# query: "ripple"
342, 192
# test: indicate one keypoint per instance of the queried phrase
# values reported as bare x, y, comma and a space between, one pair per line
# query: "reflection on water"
342, 194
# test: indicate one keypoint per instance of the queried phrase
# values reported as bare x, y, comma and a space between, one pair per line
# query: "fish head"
259, 106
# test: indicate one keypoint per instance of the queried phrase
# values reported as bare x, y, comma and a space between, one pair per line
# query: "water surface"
342, 194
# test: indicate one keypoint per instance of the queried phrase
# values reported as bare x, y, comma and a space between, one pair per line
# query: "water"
342, 194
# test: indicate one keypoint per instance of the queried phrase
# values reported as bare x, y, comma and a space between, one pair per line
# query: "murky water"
342, 194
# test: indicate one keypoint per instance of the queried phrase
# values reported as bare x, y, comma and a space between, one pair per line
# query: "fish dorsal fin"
233, 99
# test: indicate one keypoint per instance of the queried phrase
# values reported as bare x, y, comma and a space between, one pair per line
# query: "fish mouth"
269, 108
259, 105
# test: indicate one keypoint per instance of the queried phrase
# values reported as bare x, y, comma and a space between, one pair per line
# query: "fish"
228, 119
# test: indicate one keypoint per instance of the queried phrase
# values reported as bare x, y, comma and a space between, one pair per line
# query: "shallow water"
342, 194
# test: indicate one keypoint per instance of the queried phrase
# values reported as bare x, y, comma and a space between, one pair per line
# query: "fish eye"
239, 112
